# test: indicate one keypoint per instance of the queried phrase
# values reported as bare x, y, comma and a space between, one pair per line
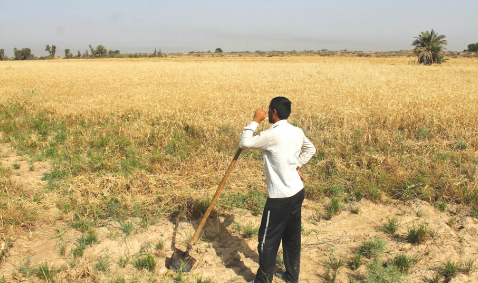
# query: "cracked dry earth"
224, 255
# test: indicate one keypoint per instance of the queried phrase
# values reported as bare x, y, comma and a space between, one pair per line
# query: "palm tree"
101, 51
428, 46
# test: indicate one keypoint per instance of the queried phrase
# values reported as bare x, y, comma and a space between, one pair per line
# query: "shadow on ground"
229, 246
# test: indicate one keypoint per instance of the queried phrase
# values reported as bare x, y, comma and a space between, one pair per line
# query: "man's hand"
301, 176
259, 115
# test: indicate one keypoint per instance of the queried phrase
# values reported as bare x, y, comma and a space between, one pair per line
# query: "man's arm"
248, 140
307, 151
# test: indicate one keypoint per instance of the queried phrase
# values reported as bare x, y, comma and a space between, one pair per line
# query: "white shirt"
284, 148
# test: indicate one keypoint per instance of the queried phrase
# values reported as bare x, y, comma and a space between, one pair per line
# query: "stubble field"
127, 153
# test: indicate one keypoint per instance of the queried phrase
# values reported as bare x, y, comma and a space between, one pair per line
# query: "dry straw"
380, 125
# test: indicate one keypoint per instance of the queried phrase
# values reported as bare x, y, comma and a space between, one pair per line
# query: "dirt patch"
224, 255
227, 250
22, 168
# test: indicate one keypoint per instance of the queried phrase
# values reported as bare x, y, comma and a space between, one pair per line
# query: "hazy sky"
184, 25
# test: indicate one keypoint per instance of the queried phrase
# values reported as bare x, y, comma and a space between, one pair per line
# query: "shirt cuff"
252, 126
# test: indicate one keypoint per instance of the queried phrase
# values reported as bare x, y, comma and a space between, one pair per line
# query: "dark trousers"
281, 221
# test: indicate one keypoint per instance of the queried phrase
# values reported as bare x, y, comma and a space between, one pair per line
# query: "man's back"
281, 145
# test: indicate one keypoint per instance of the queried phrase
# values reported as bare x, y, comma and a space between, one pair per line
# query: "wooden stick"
216, 196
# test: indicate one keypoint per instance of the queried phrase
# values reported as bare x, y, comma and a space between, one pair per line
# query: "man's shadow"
227, 244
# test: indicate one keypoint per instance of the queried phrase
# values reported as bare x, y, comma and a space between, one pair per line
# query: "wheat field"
367, 115
149, 137
341, 92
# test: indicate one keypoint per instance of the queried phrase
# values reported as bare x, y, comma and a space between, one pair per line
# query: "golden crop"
151, 138
341, 92
378, 124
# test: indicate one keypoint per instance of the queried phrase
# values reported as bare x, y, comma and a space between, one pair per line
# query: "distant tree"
473, 47
156, 53
92, 50
86, 54
111, 54
101, 51
429, 47
68, 54
218, 50
51, 50
23, 54
2, 54
79, 54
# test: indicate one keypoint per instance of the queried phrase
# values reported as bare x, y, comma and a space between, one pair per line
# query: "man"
285, 150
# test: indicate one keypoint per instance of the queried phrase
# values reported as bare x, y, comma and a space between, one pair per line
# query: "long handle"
216, 196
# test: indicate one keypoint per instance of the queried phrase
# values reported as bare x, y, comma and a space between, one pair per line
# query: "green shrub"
420, 213
123, 261
87, 239
62, 249
371, 248
334, 190
81, 224
250, 230
145, 261
442, 205
333, 209
358, 196
127, 228
418, 235
450, 269
437, 278
403, 262
45, 272
355, 261
25, 267
332, 267
160, 245
474, 212
391, 226
468, 267
378, 273
102, 264
355, 209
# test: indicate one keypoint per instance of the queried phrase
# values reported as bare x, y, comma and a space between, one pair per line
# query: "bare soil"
223, 253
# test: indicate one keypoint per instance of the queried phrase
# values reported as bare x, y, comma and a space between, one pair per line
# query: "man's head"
279, 108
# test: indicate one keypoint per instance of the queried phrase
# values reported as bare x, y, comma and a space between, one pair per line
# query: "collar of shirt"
278, 123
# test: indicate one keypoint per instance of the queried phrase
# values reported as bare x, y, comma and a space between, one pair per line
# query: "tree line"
94, 52
429, 47
473, 47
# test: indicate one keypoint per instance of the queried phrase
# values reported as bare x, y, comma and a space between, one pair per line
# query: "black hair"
282, 106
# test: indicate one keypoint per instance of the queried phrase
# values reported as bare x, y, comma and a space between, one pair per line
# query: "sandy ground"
223, 253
